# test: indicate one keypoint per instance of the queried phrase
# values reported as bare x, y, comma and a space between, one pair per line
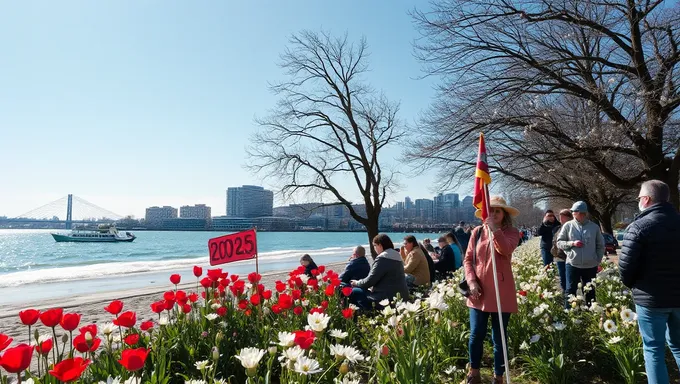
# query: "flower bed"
302, 331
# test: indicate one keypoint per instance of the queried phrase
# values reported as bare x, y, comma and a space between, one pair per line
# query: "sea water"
34, 266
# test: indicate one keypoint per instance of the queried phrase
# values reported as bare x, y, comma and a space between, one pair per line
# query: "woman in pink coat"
479, 275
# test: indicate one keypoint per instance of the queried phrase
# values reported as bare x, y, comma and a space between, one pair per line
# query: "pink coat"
505, 242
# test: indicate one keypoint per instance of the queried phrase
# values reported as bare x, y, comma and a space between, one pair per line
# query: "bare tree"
329, 126
501, 59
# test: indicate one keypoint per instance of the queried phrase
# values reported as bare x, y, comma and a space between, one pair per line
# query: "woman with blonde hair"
479, 276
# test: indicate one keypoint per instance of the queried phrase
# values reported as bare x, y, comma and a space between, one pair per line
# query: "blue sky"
130, 104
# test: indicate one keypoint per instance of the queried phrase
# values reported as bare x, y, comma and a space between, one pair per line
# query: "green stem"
71, 341
56, 344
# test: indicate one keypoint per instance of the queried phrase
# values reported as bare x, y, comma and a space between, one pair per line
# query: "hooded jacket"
386, 277
588, 256
415, 264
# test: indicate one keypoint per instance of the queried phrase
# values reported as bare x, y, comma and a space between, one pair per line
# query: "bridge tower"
69, 212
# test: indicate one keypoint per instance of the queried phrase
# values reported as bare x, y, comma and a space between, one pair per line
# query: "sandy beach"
91, 306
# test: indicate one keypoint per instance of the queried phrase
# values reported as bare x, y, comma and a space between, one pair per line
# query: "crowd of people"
569, 240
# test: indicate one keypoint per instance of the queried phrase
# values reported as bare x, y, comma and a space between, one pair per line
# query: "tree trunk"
372, 229
606, 222
672, 180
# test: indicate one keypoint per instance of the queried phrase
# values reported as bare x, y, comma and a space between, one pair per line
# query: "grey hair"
657, 191
361, 251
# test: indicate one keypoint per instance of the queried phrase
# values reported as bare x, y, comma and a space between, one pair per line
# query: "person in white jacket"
582, 242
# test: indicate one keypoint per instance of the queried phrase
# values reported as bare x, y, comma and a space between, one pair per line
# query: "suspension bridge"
62, 213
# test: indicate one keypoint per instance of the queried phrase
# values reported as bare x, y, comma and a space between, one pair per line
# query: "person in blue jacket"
357, 268
450, 258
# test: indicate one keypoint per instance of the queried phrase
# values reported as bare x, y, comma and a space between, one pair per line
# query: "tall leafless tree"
329, 126
503, 63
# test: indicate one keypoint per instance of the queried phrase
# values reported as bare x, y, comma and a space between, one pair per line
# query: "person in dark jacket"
450, 257
357, 268
462, 236
649, 264
547, 232
386, 279
309, 264
430, 262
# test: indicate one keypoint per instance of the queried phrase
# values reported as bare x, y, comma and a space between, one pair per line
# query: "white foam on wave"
102, 270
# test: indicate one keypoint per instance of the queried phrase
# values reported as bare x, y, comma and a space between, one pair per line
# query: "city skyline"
131, 105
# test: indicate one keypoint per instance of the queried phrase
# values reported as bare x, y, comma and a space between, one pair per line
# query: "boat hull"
69, 239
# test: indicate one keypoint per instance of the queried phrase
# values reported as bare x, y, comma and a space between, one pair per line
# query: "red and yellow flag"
482, 181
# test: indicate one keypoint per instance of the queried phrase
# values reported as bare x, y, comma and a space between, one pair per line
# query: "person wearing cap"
480, 278
582, 242
650, 266
450, 257
547, 231
462, 236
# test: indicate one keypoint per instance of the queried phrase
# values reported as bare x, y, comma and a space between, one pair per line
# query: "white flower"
214, 306
354, 307
318, 322
307, 366
559, 326
111, 380
346, 352
108, 328
615, 339
535, 338
133, 380
451, 370
194, 381
44, 338
220, 381
388, 311
286, 339
384, 302
165, 320
212, 316
628, 316
410, 307
393, 321
292, 354
28, 381
577, 321
609, 326
436, 302
304, 303
202, 365
304, 278
338, 334
250, 357
524, 346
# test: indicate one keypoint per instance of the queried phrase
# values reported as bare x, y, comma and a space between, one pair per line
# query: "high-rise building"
198, 211
155, 215
424, 209
249, 201
408, 203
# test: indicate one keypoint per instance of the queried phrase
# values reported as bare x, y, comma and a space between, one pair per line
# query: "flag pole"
498, 296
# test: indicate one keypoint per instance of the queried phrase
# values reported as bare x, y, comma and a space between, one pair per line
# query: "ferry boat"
103, 234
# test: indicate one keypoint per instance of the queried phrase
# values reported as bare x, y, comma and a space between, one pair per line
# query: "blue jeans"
579, 275
561, 269
359, 297
478, 326
546, 256
659, 326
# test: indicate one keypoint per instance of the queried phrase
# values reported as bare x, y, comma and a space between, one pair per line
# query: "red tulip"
298, 310
193, 297
51, 317
267, 294
70, 321
215, 274
347, 291
158, 307
5, 341
133, 359
169, 305
29, 316
347, 313
70, 369
322, 269
280, 286
186, 308
243, 304
175, 278
206, 282
254, 277
131, 339
255, 300
221, 311
126, 319
330, 290
198, 271
522, 293
145, 326
45, 347
115, 307
296, 294
233, 278
324, 304
276, 309
17, 359
304, 339
316, 310
285, 301
181, 296
169, 295
82, 345
92, 328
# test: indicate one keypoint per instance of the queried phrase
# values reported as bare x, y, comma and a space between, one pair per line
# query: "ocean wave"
112, 269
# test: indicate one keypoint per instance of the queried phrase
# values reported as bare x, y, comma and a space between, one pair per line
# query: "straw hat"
499, 202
